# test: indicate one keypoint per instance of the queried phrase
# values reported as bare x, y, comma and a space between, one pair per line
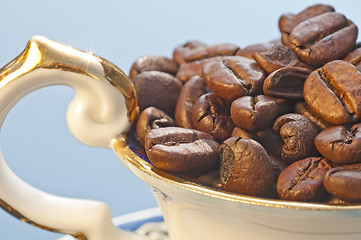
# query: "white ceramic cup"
105, 102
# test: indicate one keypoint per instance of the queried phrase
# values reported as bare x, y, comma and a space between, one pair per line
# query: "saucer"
147, 222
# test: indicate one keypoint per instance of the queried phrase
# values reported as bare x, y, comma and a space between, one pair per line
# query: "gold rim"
7, 208
121, 145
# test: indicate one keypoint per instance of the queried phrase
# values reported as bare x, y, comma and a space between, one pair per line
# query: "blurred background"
35, 140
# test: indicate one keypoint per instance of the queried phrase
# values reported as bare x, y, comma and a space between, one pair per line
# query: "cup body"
193, 212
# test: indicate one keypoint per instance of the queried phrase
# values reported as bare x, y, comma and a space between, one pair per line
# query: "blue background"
35, 139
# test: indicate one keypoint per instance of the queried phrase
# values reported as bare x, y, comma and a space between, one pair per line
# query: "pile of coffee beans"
278, 119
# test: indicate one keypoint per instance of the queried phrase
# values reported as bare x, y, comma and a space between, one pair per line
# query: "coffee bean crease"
339, 94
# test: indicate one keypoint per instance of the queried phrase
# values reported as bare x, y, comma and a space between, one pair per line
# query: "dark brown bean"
181, 50
277, 166
313, 39
344, 182
241, 133
211, 114
272, 142
245, 167
200, 53
303, 180
287, 22
194, 55
277, 57
152, 118
188, 70
249, 50
340, 144
157, 89
298, 134
354, 58
302, 108
285, 106
188, 95
181, 150
254, 113
156, 63
234, 77
286, 82
333, 92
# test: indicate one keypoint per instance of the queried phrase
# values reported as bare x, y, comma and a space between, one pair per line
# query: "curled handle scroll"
103, 107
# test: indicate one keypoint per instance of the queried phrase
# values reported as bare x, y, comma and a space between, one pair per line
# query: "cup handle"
103, 107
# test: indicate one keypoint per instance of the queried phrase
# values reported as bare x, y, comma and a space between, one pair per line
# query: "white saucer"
147, 222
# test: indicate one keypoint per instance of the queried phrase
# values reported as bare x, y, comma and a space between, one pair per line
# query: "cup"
101, 115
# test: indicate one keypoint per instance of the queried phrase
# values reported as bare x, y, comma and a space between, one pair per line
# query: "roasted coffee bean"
188, 70
151, 118
354, 58
205, 52
333, 92
254, 113
287, 22
303, 180
156, 63
286, 82
194, 55
194, 59
277, 57
234, 77
249, 50
245, 168
323, 38
188, 95
241, 133
181, 150
340, 144
285, 106
298, 134
344, 182
302, 108
211, 114
277, 166
157, 89
181, 50
272, 142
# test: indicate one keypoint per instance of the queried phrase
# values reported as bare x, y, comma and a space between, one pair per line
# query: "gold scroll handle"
42, 63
